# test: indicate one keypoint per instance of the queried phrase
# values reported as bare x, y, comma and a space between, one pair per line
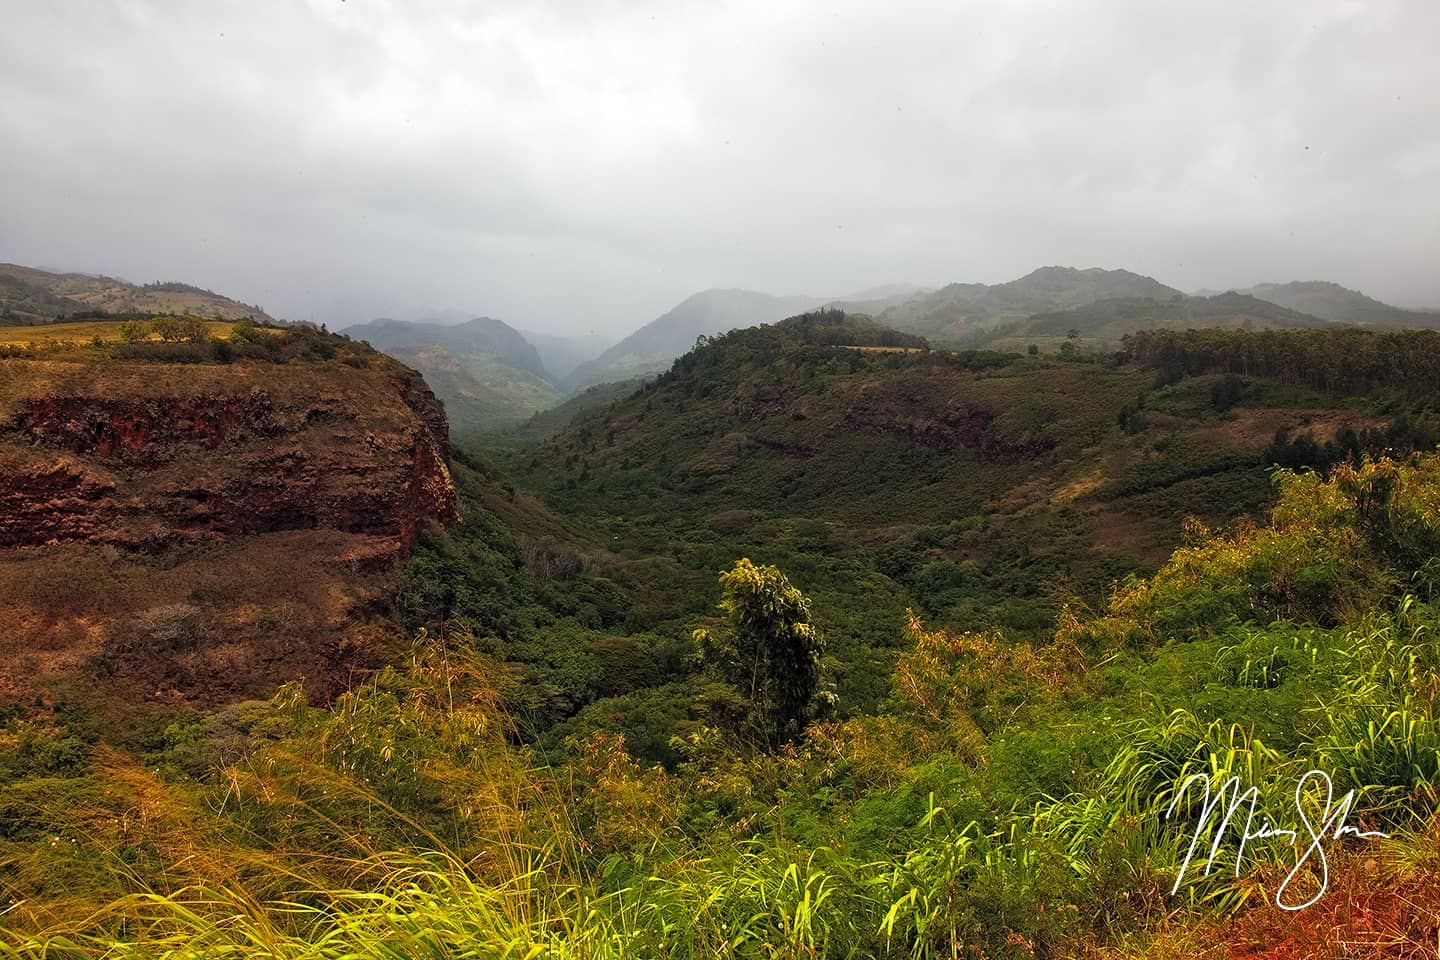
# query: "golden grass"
81, 333
1258, 426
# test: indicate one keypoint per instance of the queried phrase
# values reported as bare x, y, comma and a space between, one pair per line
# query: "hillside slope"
547, 423
1010, 798
986, 486
28, 295
1330, 301
651, 349
485, 372
1013, 784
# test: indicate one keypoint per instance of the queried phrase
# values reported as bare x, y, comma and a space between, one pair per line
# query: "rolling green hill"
1102, 324
957, 311
987, 486
547, 423
481, 392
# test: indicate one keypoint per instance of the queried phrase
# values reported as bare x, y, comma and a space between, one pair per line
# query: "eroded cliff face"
176, 534
903, 409
189, 455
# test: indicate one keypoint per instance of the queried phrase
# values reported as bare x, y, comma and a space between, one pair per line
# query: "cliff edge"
201, 521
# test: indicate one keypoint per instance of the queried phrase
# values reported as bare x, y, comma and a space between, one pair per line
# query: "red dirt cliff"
85, 457
258, 509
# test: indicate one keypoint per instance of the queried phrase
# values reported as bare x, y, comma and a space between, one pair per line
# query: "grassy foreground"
1009, 800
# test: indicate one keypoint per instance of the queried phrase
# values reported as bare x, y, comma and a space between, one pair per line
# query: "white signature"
1330, 826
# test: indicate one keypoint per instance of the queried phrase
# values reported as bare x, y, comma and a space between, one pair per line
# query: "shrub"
134, 331
1226, 392
245, 331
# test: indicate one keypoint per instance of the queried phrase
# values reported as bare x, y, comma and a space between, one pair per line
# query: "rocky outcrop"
903, 410
188, 455
143, 431
199, 533
417, 395
61, 501
762, 401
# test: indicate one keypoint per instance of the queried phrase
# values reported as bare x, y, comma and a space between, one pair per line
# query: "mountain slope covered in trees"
988, 485
485, 372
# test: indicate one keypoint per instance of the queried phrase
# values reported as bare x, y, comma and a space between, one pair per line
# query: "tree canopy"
769, 650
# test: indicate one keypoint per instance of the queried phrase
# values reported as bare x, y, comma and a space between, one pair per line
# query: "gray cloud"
583, 165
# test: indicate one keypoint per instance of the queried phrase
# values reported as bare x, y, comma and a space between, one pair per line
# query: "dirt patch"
1126, 534
203, 625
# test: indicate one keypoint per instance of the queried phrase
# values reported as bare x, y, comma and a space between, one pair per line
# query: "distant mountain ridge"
485, 372
1105, 322
1331, 301
960, 309
653, 347
1044, 308
877, 300
29, 295
1105, 304
482, 335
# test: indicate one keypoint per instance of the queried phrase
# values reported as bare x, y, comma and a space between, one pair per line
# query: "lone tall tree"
769, 650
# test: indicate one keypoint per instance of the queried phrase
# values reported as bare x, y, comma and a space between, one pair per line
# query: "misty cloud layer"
583, 166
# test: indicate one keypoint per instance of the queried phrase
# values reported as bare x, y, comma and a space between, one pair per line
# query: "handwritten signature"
1230, 798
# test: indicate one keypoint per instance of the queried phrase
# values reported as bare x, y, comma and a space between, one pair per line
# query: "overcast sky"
585, 165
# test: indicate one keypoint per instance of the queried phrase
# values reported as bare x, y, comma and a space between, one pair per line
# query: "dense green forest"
827, 643
1346, 361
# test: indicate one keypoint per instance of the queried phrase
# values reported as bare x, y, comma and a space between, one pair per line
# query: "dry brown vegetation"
209, 624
